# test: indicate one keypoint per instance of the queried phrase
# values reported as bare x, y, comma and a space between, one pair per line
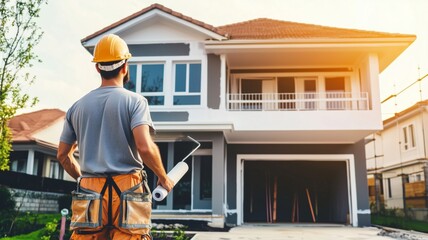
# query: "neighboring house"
35, 173
397, 162
281, 109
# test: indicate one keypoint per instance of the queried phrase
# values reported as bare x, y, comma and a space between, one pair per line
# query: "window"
56, 171
19, 165
167, 83
310, 89
206, 178
335, 89
389, 187
152, 76
409, 137
187, 89
18, 161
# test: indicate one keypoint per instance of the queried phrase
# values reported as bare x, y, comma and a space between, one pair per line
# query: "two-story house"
281, 109
397, 161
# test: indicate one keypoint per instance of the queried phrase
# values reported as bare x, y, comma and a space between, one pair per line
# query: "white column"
30, 162
322, 93
223, 93
218, 186
373, 74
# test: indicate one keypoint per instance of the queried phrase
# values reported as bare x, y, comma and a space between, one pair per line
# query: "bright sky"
67, 72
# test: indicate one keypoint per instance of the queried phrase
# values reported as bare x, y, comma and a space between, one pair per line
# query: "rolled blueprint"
175, 175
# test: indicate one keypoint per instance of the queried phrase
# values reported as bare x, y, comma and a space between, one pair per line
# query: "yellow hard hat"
111, 48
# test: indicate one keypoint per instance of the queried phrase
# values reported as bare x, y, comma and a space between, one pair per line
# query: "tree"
19, 34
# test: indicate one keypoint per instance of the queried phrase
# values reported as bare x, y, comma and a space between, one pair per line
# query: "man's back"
103, 121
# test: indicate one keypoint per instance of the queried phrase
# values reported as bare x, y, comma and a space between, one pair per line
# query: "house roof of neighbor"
24, 126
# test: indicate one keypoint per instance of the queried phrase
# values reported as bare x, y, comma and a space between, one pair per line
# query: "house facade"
397, 162
281, 110
35, 176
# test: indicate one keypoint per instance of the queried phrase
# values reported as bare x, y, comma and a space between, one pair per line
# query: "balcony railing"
297, 101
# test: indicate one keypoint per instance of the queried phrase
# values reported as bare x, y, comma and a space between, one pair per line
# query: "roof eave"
402, 40
139, 17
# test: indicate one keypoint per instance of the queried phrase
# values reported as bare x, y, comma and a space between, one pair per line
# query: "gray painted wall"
356, 149
214, 66
167, 49
170, 116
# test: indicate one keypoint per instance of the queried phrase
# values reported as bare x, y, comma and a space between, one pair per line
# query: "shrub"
7, 210
50, 230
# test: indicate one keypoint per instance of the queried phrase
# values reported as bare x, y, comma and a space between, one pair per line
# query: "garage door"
295, 192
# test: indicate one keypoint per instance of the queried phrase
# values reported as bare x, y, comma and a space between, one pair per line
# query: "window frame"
58, 170
187, 91
409, 137
139, 81
169, 79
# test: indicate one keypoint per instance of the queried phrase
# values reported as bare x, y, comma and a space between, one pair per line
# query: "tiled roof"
148, 9
264, 28
261, 28
24, 126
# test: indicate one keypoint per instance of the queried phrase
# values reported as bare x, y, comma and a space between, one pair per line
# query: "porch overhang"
233, 136
296, 137
307, 52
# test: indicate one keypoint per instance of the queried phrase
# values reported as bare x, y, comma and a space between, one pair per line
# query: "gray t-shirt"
102, 122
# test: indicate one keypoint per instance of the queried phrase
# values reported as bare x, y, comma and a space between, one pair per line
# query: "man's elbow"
61, 156
146, 149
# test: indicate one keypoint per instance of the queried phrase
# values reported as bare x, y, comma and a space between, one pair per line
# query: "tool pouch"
136, 208
86, 206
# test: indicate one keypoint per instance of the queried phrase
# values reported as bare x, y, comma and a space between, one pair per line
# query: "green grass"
400, 223
33, 222
29, 236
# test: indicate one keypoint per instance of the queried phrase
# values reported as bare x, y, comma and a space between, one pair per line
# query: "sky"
67, 73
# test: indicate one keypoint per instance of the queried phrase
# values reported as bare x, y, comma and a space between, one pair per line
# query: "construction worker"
111, 127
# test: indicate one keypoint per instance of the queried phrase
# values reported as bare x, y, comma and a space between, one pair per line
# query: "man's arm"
66, 158
150, 154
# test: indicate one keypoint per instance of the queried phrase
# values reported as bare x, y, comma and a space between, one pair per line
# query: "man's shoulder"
132, 95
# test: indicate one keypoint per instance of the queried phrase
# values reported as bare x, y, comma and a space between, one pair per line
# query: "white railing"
297, 101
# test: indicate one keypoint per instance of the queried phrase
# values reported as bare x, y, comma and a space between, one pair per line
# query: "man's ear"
124, 70
96, 67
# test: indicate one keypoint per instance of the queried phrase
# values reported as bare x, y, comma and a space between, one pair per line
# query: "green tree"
19, 34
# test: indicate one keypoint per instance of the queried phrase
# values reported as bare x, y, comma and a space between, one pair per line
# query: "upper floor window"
152, 78
167, 83
409, 137
187, 89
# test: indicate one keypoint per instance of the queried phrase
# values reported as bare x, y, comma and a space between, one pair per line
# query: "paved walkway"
301, 232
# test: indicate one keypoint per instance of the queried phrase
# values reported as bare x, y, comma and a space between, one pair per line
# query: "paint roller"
175, 174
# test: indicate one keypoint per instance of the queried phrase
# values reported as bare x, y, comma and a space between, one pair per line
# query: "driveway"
306, 232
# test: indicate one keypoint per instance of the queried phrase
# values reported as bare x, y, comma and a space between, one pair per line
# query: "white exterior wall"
374, 152
394, 159
393, 138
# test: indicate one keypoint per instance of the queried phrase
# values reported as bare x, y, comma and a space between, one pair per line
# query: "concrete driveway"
304, 232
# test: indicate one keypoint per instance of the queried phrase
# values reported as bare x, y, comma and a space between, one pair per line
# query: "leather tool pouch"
86, 208
136, 208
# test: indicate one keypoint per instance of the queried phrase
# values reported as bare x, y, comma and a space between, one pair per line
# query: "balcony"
308, 101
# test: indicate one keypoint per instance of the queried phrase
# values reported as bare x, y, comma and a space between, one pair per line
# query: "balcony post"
223, 93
